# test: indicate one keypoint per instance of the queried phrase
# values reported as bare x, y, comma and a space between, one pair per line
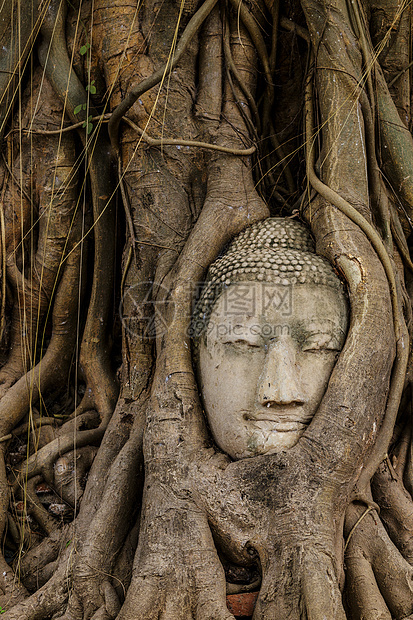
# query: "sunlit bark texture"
138, 137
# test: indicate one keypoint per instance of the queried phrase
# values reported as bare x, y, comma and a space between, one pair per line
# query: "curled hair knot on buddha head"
276, 250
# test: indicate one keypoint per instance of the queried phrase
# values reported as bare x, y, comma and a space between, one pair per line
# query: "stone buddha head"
268, 328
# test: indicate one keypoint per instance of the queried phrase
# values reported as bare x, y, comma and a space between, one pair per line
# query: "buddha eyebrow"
315, 326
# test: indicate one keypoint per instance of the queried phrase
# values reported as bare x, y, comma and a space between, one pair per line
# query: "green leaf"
68, 543
84, 49
91, 88
88, 125
77, 109
2, 611
84, 106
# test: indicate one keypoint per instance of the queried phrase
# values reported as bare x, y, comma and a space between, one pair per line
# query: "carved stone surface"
268, 344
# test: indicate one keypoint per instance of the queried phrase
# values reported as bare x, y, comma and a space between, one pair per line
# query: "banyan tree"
156, 158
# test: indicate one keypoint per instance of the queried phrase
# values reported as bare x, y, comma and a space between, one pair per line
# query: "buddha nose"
280, 381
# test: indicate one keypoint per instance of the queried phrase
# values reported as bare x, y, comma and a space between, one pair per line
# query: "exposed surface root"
115, 502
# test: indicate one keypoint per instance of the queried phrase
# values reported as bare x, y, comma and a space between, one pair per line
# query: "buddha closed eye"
272, 333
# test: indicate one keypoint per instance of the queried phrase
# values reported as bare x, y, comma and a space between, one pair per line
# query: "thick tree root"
396, 509
379, 582
33, 566
101, 386
48, 600
284, 512
95, 559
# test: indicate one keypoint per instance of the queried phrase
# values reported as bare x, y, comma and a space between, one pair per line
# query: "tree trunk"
138, 140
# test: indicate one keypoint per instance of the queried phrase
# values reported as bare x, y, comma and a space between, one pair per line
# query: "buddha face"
264, 366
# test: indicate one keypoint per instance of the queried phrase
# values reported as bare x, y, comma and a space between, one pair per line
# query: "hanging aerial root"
209, 96
3, 259
52, 371
137, 91
291, 26
18, 31
258, 41
402, 336
34, 283
400, 239
237, 125
347, 209
379, 199
191, 143
155, 141
234, 70
396, 146
101, 386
